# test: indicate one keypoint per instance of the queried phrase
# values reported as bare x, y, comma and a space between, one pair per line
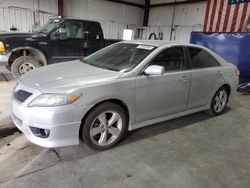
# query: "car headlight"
54, 99
2, 47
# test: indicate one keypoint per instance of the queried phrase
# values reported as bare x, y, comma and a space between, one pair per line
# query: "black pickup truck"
59, 40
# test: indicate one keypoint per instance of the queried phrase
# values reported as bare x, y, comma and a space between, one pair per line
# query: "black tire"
214, 111
92, 120
25, 61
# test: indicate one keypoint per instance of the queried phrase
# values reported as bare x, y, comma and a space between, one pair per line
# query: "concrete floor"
6, 84
193, 151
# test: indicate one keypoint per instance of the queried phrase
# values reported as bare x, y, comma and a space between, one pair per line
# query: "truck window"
93, 29
73, 28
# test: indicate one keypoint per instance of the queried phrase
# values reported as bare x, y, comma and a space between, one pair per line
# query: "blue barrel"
233, 47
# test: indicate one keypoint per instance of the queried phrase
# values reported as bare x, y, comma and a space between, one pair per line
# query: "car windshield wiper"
110, 68
40, 32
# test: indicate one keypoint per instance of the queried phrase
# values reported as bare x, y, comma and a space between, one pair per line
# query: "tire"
22, 65
8, 67
219, 102
97, 133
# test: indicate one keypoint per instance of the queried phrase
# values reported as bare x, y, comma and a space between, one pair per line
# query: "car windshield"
49, 26
121, 57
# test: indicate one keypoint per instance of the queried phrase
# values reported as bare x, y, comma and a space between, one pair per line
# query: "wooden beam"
60, 7
127, 3
176, 3
146, 12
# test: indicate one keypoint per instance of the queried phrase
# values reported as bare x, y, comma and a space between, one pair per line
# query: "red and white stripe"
221, 16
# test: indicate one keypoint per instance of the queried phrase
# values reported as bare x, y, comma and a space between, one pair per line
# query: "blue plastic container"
234, 47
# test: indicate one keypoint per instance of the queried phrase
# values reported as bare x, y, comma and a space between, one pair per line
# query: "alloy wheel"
106, 128
220, 101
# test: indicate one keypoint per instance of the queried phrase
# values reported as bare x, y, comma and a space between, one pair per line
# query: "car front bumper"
63, 122
4, 58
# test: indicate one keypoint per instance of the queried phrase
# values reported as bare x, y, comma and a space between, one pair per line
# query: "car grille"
22, 95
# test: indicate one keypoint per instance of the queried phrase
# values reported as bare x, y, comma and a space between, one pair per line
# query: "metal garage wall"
114, 17
23, 14
188, 18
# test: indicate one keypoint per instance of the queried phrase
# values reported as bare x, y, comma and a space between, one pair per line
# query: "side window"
92, 28
171, 59
201, 59
74, 29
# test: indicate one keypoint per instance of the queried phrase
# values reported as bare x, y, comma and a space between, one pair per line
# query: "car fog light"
42, 133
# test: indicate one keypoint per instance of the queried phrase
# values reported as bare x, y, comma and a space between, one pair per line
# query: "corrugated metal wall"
23, 14
114, 30
114, 17
188, 18
21, 19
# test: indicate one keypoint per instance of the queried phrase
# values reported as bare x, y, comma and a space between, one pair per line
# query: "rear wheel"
22, 65
104, 126
219, 102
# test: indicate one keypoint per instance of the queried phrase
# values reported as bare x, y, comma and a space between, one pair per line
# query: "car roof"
159, 43
162, 43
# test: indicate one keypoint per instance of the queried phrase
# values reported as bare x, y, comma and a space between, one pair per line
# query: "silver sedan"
123, 87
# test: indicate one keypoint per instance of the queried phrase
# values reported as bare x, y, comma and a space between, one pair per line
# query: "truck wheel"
22, 65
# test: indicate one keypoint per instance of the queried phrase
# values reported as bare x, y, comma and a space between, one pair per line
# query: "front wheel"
219, 102
104, 126
22, 65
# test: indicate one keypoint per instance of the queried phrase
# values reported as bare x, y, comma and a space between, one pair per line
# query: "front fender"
39, 55
123, 91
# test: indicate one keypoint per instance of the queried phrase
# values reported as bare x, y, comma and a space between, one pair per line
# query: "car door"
161, 95
71, 48
205, 75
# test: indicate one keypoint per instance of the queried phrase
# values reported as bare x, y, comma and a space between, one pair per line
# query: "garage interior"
192, 151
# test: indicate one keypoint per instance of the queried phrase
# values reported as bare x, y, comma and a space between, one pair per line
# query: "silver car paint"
153, 94
148, 102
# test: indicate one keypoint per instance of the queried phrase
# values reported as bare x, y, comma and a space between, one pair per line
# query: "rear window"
93, 29
201, 59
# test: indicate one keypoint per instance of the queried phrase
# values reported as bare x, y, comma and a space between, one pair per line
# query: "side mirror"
154, 70
62, 34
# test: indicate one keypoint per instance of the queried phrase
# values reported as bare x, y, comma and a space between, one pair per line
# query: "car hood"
67, 76
20, 36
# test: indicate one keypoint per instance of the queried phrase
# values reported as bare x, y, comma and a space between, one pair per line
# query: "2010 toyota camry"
123, 87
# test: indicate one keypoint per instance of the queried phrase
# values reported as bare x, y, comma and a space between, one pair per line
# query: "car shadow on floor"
7, 126
167, 126
82, 151
5, 74
6, 77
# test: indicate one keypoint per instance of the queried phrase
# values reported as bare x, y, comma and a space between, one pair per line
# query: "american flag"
226, 15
